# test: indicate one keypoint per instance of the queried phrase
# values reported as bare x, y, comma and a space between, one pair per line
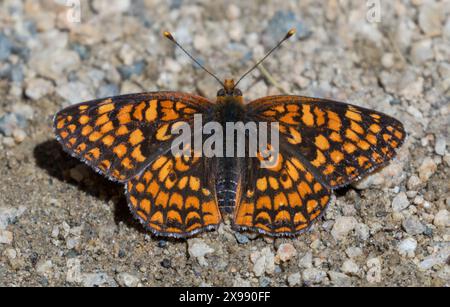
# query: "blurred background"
61, 224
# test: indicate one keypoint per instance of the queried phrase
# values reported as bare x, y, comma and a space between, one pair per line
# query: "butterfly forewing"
120, 136
338, 142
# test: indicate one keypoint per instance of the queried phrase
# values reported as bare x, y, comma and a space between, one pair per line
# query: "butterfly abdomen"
226, 183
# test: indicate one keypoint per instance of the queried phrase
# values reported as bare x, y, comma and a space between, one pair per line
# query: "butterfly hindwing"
341, 141
281, 200
174, 197
120, 136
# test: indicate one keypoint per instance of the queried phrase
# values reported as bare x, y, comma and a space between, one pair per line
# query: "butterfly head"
229, 89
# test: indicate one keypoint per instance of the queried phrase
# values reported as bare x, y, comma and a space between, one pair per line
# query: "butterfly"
324, 145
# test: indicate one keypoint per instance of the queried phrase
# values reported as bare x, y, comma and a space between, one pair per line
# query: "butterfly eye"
221, 93
237, 92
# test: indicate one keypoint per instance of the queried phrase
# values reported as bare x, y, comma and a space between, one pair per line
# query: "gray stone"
264, 262
437, 258
350, 267
374, 270
413, 226
313, 276
54, 63
241, 238
6, 237
44, 268
198, 249
440, 146
286, 252
11, 121
306, 261
96, 280
353, 252
9, 215
339, 279
74, 92
400, 202
38, 88
107, 90
414, 183
5, 47
294, 279
430, 18
107, 7
280, 24
422, 51
407, 247
442, 218
343, 226
427, 169
127, 280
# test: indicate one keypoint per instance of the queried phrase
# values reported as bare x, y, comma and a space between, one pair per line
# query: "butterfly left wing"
120, 136
341, 142
175, 196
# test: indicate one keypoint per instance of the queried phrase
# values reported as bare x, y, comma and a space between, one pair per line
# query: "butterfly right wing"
339, 141
281, 200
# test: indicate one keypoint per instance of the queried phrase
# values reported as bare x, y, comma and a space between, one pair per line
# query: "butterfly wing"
323, 145
175, 196
282, 200
120, 136
340, 142
128, 138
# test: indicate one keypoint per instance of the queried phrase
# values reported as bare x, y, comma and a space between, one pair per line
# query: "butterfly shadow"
50, 156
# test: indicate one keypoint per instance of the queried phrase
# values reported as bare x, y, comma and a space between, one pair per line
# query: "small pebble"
44, 268
241, 238
343, 226
127, 280
6, 237
264, 262
350, 267
427, 169
306, 261
313, 276
19, 135
339, 279
400, 202
413, 226
440, 146
422, 51
374, 270
38, 88
286, 252
294, 279
233, 12
430, 18
407, 247
414, 183
442, 218
198, 249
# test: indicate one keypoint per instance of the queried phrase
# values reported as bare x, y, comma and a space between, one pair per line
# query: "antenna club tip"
168, 35
291, 32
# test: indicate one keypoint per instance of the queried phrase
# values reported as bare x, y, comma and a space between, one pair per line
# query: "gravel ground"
61, 224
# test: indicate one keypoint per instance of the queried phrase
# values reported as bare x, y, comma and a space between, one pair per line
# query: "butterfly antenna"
169, 36
288, 35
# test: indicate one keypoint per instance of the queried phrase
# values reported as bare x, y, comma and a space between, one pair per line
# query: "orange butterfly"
324, 145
